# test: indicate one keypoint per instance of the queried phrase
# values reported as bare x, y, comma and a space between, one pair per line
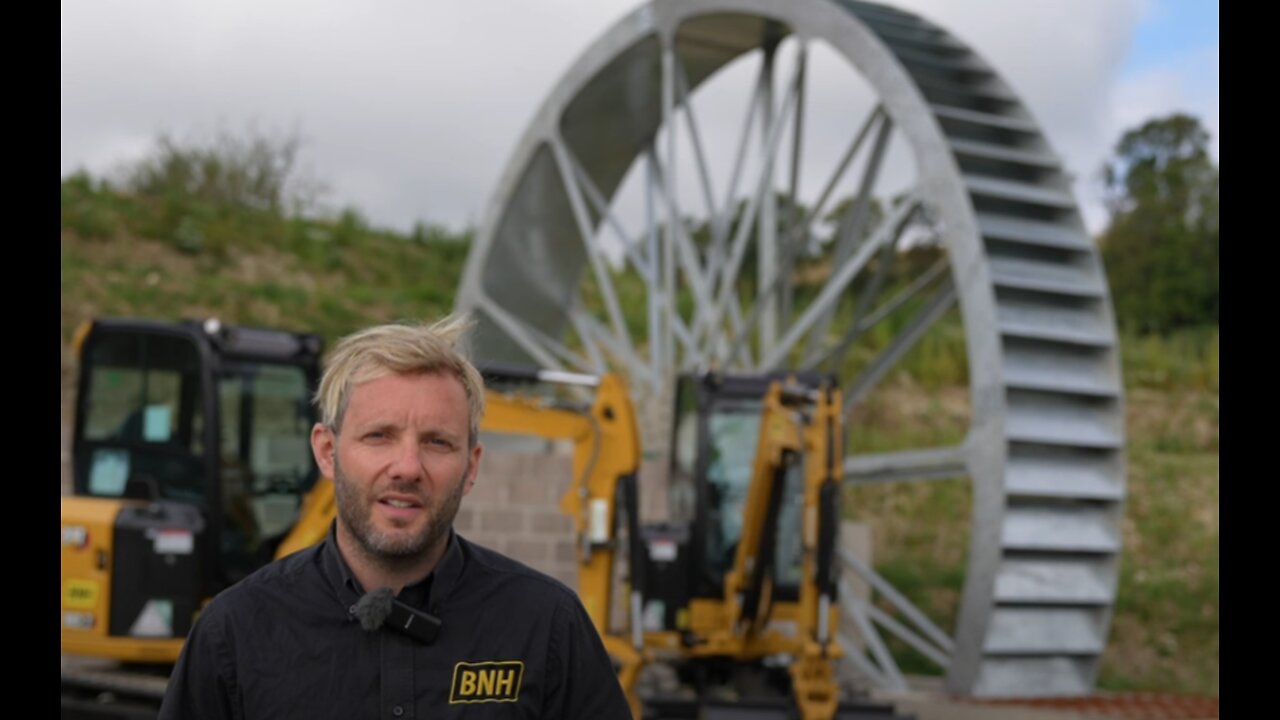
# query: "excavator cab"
717, 432
738, 587
190, 459
713, 455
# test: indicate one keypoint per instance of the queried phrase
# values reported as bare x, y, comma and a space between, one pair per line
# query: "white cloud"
410, 109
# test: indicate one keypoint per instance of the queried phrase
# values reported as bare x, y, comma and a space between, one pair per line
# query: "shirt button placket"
398, 686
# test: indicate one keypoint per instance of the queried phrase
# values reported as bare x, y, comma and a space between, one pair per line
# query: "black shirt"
282, 643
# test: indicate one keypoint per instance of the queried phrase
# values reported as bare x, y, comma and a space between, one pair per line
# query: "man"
469, 632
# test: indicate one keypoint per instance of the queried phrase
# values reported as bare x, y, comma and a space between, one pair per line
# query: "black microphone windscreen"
373, 608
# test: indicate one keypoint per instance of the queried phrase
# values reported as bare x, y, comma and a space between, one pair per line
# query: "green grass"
321, 275
1182, 359
1165, 630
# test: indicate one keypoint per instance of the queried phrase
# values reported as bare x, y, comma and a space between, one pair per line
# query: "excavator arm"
796, 463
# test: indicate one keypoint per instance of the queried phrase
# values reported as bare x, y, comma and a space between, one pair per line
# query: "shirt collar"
427, 593
447, 571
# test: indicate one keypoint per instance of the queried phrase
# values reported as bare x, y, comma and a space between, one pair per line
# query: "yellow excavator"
189, 456
191, 469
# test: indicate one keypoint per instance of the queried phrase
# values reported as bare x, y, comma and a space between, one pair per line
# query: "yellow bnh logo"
479, 682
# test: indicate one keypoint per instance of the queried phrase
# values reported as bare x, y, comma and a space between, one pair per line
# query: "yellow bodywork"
319, 508
86, 586
809, 433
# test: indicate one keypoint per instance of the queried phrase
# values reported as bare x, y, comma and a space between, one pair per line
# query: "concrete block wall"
855, 538
514, 508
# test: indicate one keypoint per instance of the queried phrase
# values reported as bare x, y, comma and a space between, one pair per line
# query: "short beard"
385, 548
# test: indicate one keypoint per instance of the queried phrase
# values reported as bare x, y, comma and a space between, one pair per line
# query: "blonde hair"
401, 349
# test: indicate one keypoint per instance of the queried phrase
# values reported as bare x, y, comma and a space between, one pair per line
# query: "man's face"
401, 462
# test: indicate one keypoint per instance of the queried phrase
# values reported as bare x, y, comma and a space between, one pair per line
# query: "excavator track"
95, 689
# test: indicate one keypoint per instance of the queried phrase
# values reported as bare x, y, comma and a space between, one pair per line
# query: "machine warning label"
481, 682
173, 542
80, 593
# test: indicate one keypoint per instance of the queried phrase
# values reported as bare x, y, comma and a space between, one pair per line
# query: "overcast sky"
409, 109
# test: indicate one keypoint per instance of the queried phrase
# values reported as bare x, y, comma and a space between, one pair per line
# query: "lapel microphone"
380, 608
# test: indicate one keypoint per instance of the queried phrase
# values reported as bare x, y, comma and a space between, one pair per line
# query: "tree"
1161, 248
